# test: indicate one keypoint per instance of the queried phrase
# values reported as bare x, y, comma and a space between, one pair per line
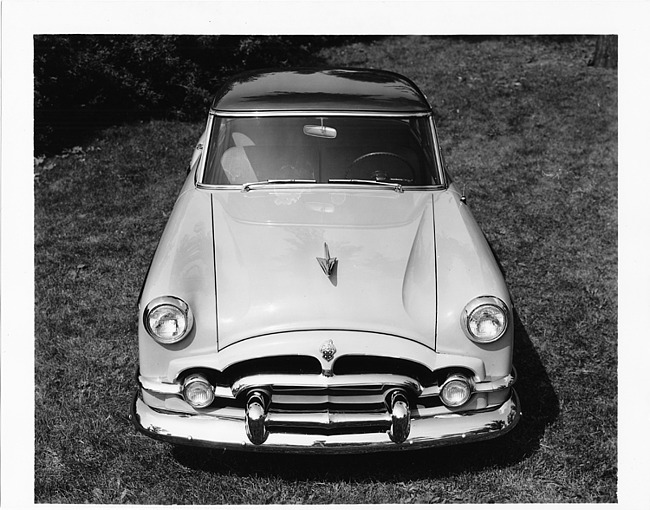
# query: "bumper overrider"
325, 414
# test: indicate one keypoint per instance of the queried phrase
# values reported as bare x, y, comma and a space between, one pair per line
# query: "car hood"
268, 278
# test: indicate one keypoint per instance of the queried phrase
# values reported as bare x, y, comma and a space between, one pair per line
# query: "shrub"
88, 81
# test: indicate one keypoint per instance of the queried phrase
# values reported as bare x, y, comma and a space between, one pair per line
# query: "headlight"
168, 319
455, 391
485, 319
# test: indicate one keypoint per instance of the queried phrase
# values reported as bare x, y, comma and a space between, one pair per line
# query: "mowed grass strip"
531, 132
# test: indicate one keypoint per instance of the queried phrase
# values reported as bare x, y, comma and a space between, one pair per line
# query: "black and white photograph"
346, 253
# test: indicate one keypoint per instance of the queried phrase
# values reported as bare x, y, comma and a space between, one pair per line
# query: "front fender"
466, 269
182, 266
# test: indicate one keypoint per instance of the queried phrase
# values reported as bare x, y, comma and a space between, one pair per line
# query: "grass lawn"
525, 125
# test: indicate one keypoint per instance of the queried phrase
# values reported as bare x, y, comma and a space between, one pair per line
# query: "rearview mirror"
319, 131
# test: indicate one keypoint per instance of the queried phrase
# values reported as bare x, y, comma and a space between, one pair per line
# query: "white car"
321, 285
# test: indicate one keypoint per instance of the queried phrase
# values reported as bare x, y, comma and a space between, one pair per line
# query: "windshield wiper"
250, 185
394, 185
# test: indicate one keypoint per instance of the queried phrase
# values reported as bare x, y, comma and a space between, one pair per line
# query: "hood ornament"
328, 350
327, 264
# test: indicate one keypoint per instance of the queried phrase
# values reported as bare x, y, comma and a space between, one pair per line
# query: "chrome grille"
332, 405
352, 394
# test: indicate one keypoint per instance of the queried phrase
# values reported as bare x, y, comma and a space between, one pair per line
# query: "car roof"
320, 90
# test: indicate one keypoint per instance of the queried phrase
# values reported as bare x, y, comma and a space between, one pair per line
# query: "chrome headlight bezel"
482, 304
172, 304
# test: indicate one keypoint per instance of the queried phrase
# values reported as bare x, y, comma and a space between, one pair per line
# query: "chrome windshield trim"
438, 153
317, 113
199, 174
317, 185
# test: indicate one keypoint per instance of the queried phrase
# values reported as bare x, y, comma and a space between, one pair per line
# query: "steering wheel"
381, 153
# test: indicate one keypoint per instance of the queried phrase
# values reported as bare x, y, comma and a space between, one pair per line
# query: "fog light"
455, 391
197, 391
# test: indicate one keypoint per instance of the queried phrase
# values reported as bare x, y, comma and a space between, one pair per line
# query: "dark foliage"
85, 82
606, 53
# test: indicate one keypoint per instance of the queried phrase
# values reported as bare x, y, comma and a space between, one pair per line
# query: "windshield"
321, 149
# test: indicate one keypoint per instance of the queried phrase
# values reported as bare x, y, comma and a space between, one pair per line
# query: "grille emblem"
327, 264
328, 350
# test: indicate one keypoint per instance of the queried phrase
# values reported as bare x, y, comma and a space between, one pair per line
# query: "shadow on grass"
539, 405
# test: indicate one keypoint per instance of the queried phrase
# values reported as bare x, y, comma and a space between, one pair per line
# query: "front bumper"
229, 433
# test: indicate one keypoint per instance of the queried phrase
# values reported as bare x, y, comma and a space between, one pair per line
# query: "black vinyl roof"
340, 90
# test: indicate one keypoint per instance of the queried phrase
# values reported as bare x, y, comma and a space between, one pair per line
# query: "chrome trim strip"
288, 399
214, 268
497, 385
317, 185
289, 382
438, 154
286, 382
228, 433
327, 420
317, 113
198, 175
161, 388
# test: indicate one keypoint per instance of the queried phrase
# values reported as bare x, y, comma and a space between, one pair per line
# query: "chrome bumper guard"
250, 431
